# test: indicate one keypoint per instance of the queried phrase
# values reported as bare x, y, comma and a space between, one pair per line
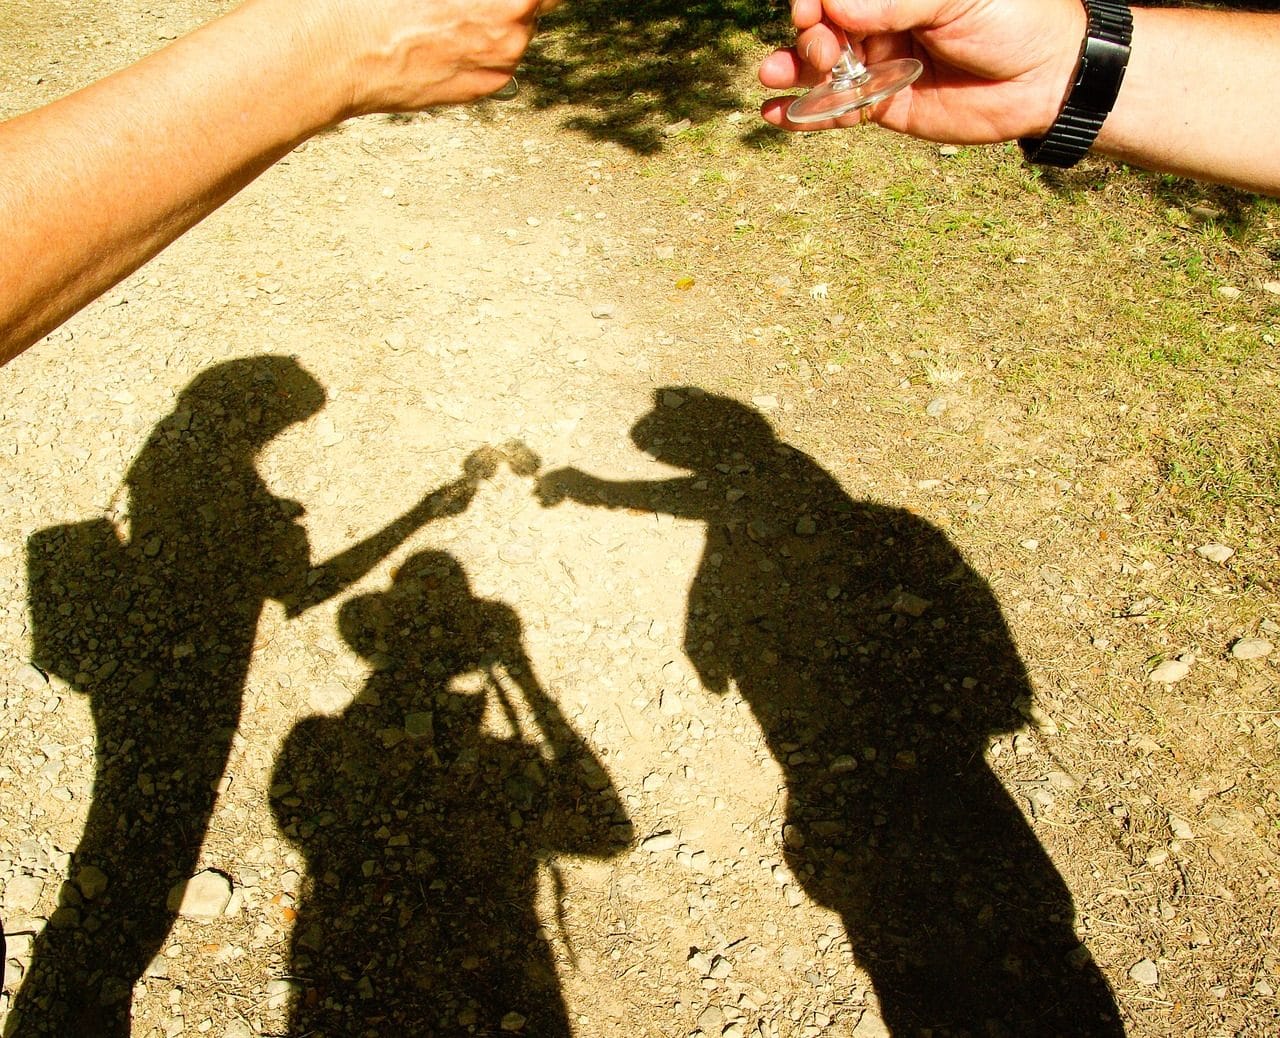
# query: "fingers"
774, 112
870, 17
784, 69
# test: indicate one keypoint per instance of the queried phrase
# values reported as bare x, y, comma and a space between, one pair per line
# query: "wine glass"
507, 91
852, 85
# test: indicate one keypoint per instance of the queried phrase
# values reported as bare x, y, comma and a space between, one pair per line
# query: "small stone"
419, 725
329, 698
1271, 286
603, 311
910, 605
1180, 828
936, 407
204, 896
805, 526
92, 881
65, 918
1144, 972
1170, 672
1252, 649
720, 968
700, 962
1229, 292
279, 992
766, 402
949, 151
870, 1026
711, 1019
513, 1022
658, 842
672, 399
22, 894
1215, 552
1156, 857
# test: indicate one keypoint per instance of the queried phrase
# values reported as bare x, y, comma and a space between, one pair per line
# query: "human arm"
1194, 99
95, 184
677, 496
342, 570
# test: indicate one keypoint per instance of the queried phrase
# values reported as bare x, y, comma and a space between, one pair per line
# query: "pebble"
204, 896
92, 881
870, 1026
1144, 972
279, 992
22, 894
1215, 552
1252, 649
910, 605
658, 842
1180, 828
1170, 672
513, 1021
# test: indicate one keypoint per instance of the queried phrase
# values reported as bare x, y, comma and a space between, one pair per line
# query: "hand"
406, 55
521, 459
558, 486
481, 464
994, 70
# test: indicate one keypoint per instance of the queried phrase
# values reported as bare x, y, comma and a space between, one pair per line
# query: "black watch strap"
1103, 58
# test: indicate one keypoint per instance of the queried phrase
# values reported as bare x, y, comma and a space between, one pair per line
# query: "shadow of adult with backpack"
423, 830
878, 665
158, 631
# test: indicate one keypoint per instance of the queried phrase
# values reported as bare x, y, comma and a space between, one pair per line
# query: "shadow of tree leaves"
631, 71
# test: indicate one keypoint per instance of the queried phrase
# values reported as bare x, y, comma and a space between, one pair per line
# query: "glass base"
834, 98
507, 91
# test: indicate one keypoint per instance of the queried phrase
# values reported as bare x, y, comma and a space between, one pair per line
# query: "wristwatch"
1104, 56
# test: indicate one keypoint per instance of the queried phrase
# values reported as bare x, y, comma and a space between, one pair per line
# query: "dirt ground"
515, 628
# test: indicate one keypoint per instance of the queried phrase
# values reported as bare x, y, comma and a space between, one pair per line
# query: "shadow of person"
423, 833
877, 664
157, 632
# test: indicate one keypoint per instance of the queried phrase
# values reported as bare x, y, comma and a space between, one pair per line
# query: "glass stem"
848, 69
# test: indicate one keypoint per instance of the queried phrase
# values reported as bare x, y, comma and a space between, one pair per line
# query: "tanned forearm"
94, 185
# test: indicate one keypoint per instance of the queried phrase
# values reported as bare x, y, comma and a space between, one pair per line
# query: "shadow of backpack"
79, 590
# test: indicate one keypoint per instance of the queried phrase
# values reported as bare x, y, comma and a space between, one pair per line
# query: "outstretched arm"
676, 496
95, 184
1195, 99
344, 569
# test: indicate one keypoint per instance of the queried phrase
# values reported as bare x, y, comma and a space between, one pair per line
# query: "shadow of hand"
567, 484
